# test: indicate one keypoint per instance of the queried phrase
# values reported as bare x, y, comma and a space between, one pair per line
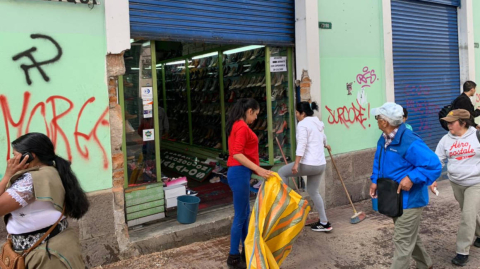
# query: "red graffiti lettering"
93, 133
54, 128
54, 123
368, 76
348, 115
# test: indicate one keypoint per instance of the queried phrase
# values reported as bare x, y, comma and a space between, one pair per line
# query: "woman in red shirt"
242, 161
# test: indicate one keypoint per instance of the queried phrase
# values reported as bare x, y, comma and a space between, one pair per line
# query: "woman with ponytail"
310, 159
38, 191
242, 161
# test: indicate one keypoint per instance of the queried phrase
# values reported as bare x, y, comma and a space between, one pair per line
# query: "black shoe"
318, 227
235, 262
460, 260
477, 242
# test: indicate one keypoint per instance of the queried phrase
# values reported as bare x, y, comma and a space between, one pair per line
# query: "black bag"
390, 203
443, 113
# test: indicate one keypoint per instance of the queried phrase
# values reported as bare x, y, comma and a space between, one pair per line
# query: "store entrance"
176, 98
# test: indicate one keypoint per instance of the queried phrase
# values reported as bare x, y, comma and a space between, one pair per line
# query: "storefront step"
171, 234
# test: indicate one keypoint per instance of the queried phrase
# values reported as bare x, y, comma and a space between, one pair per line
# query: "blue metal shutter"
251, 22
455, 3
425, 62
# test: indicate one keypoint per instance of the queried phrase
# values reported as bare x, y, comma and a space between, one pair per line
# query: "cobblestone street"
367, 245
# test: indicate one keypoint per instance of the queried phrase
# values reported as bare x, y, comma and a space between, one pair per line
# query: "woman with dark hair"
242, 161
461, 149
39, 190
310, 159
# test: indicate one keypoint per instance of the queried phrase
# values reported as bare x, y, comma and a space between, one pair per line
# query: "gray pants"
407, 241
469, 200
314, 175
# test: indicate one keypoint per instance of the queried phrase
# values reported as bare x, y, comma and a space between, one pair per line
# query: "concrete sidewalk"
365, 245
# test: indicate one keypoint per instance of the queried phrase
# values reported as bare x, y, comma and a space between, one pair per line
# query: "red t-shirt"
242, 140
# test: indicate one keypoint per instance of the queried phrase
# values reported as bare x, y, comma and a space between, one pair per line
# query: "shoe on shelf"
283, 110
191, 192
236, 262
282, 127
279, 81
460, 260
318, 227
274, 51
477, 242
261, 82
215, 180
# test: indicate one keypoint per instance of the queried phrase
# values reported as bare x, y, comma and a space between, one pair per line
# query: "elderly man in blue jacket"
403, 157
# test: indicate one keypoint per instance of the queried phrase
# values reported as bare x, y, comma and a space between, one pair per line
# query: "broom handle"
283, 155
338, 172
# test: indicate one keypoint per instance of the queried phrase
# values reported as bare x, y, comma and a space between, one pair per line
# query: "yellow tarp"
277, 219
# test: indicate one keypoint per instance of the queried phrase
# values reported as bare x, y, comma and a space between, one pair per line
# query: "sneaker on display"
191, 192
318, 227
215, 180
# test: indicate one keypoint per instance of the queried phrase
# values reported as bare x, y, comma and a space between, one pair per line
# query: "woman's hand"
295, 168
263, 172
328, 147
373, 190
14, 165
433, 187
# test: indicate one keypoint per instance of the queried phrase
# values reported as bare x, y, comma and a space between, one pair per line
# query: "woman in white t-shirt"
38, 189
310, 159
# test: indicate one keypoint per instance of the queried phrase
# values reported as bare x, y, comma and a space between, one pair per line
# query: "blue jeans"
239, 182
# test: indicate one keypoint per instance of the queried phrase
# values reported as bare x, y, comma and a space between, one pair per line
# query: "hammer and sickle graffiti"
35, 64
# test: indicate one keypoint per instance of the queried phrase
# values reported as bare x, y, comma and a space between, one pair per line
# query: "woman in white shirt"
38, 189
310, 159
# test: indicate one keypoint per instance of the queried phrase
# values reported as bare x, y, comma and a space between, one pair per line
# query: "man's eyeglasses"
378, 117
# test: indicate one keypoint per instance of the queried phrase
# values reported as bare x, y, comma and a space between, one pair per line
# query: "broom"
358, 216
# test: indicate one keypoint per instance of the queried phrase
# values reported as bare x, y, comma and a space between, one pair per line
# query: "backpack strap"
478, 135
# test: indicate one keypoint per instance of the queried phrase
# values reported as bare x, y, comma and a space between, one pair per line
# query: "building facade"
80, 72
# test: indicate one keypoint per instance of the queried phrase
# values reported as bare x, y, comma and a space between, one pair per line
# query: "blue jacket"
407, 155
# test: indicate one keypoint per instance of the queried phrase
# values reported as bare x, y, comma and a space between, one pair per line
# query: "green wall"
77, 79
476, 38
349, 53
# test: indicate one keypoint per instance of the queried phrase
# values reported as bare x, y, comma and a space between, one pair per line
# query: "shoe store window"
194, 85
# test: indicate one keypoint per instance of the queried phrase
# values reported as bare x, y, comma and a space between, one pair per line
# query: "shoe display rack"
280, 106
197, 92
244, 77
176, 94
205, 100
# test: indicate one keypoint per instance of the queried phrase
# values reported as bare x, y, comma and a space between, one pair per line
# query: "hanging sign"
278, 64
147, 111
147, 101
90, 2
147, 92
148, 135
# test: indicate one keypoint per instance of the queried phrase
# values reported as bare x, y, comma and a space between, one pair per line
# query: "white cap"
389, 110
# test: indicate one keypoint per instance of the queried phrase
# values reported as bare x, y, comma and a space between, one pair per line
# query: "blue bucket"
187, 208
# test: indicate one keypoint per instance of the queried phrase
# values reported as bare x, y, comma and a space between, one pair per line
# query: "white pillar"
388, 51
307, 45
466, 42
117, 25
